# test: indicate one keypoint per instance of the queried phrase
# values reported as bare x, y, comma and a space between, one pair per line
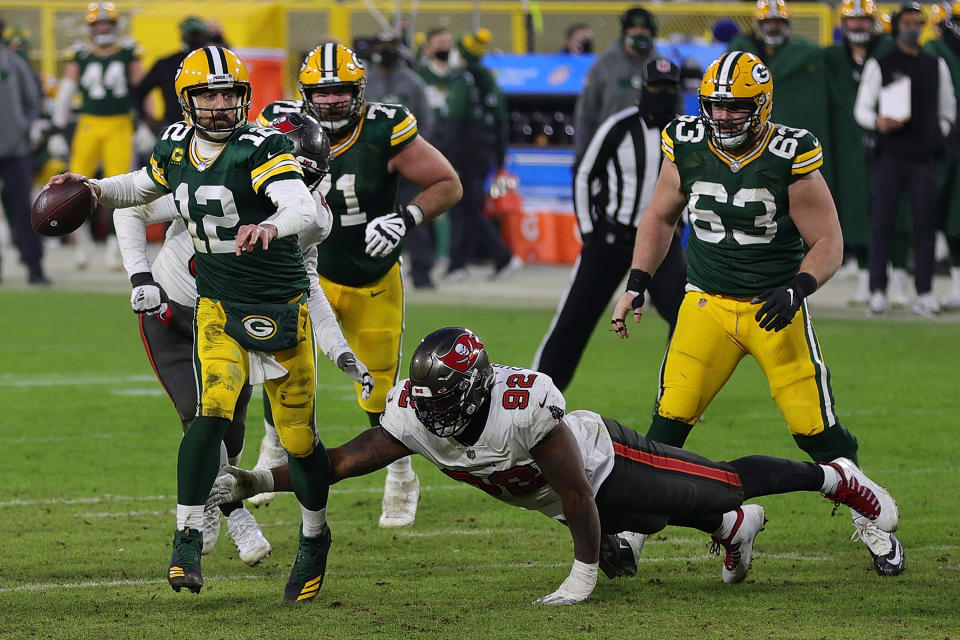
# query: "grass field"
88, 480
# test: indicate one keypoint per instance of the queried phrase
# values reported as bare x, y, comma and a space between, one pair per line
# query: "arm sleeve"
61, 104
326, 329
296, 209
947, 100
128, 189
131, 224
865, 108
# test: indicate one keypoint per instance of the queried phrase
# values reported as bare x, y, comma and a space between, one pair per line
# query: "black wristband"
804, 284
142, 278
638, 280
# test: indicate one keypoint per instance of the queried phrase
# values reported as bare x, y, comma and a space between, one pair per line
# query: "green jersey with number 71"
742, 239
358, 188
216, 196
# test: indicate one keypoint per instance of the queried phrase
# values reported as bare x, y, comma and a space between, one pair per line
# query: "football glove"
357, 371
147, 297
781, 303
58, 147
576, 588
235, 484
384, 234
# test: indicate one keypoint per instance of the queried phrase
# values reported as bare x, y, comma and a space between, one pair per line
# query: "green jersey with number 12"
742, 239
215, 197
358, 188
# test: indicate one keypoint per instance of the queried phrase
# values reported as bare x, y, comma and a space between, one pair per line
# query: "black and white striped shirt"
614, 179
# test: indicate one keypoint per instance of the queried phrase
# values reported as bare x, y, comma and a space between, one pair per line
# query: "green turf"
88, 476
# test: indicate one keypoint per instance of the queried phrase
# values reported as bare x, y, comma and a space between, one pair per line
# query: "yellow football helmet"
213, 68
332, 68
772, 21
102, 12
858, 9
736, 81
102, 19
885, 23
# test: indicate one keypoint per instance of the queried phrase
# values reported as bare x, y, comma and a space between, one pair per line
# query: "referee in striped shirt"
612, 186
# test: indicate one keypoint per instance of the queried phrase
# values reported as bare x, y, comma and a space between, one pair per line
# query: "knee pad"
220, 389
298, 440
680, 404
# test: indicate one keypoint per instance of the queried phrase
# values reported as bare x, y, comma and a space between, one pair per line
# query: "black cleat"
889, 564
185, 562
306, 578
619, 553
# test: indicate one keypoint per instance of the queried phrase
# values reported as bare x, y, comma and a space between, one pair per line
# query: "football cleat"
399, 506
619, 553
252, 546
210, 527
306, 578
870, 502
884, 548
272, 454
739, 544
185, 562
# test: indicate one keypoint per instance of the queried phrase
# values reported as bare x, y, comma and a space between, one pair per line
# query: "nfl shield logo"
471, 454
702, 302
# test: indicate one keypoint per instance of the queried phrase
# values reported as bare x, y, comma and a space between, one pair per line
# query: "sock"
271, 432
189, 515
310, 478
313, 521
766, 475
400, 470
708, 524
229, 508
235, 460
831, 480
199, 459
668, 431
374, 418
834, 442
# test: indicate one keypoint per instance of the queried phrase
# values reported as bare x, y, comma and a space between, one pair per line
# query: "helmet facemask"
859, 36
773, 31
339, 115
732, 133
219, 126
103, 33
449, 413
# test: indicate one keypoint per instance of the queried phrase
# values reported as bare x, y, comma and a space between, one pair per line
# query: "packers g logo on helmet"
736, 81
332, 68
102, 12
213, 68
102, 19
772, 21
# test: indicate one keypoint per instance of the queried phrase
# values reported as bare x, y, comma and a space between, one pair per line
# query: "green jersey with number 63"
215, 197
742, 239
105, 78
358, 188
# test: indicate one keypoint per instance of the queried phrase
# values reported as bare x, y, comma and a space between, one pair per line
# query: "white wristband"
416, 212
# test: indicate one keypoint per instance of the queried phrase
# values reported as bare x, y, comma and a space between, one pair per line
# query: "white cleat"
272, 454
926, 305
399, 506
871, 503
739, 544
252, 547
210, 527
884, 548
620, 553
878, 305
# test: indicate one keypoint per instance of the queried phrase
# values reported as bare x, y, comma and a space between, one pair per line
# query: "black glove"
147, 297
780, 304
637, 283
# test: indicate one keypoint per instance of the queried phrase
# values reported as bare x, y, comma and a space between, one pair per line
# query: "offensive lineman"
163, 297
373, 145
239, 190
765, 235
503, 430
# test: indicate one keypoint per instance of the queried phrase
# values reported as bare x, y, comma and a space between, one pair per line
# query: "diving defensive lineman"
504, 430
765, 234
373, 144
239, 190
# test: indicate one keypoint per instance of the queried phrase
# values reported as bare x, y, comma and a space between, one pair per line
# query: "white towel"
263, 366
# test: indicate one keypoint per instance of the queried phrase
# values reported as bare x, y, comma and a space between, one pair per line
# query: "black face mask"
586, 46
387, 58
442, 55
658, 109
194, 41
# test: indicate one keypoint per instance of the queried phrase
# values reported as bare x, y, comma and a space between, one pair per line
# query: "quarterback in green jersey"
239, 190
372, 145
764, 235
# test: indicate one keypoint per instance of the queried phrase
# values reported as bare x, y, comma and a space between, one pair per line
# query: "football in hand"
61, 208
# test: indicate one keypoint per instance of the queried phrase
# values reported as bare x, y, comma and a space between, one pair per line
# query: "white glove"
384, 234
357, 371
147, 296
57, 146
576, 588
236, 484
143, 140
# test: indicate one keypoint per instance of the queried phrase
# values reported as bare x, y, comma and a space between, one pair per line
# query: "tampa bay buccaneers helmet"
736, 81
333, 68
772, 21
213, 68
102, 19
311, 146
450, 379
865, 12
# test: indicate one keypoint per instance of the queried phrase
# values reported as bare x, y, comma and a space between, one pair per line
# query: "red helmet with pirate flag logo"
450, 378
311, 146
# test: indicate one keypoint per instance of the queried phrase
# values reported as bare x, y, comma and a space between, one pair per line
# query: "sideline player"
764, 235
503, 430
238, 187
374, 145
163, 297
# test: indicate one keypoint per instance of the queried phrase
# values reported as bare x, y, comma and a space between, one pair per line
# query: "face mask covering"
586, 46
639, 43
443, 55
658, 109
388, 58
909, 37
